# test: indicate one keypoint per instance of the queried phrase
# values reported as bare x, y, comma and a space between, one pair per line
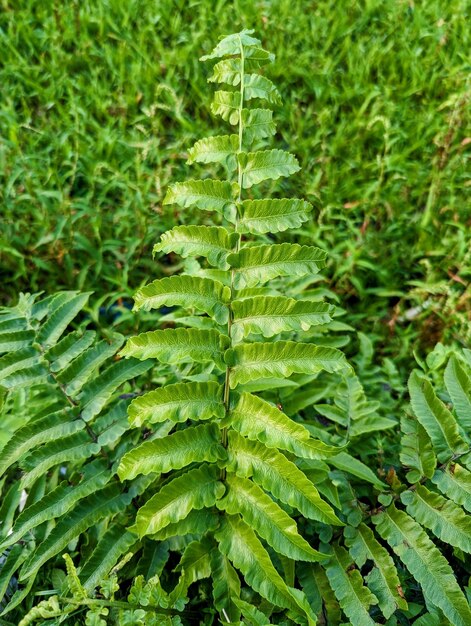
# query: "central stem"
237, 246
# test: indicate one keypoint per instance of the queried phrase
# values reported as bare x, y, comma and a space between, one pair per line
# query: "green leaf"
271, 470
21, 368
72, 448
354, 598
97, 393
203, 294
383, 579
84, 366
280, 359
208, 195
272, 215
57, 502
318, 591
271, 315
114, 543
443, 517
258, 264
262, 514
196, 489
256, 419
219, 149
226, 585
88, 512
195, 523
257, 124
351, 465
455, 482
49, 428
227, 105
437, 420
257, 86
211, 242
425, 562
193, 444
458, 383
56, 324
238, 542
194, 565
179, 402
266, 165
416, 450
9, 342
177, 345
69, 348
233, 45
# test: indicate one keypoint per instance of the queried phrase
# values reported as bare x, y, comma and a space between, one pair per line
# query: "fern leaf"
238, 542
56, 324
21, 368
83, 367
114, 543
271, 315
194, 565
354, 598
280, 359
257, 86
272, 215
208, 195
211, 242
437, 420
196, 489
258, 124
219, 149
383, 579
262, 514
229, 71
16, 340
318, 591
40, 431
197, 522
256, 419
424, 561
193, 444
69, 348
97, 393
75, 586
226, 586
258, 264
88, 512
416, 450
10, 564
203, 294
455, 482
75, 447
226, 104
443, 517
458, 383
266, 165
271, 470
347, 463
57, 502
177, 345
178, 402
232, 45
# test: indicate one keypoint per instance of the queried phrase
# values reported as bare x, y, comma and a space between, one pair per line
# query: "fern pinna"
230, 459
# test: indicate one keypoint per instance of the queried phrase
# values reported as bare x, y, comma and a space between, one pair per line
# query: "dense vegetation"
287, 438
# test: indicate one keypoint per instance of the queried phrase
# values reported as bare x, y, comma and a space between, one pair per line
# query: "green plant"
62, 421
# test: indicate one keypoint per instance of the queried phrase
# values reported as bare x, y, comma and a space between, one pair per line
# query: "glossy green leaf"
280, 359
208, 195
203, 294
272, 215
193, 444
218, 149
266, 165
258, 264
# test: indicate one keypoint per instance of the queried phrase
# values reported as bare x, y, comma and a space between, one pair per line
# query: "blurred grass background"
101, 99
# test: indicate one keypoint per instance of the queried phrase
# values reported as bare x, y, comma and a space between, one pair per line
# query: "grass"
101, 100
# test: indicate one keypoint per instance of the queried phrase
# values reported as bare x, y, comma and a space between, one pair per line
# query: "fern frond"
207, 195
266, 165
455, 482
272, 215
193, 444
458, 384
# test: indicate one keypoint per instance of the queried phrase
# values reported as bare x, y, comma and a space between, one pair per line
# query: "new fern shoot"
230, 459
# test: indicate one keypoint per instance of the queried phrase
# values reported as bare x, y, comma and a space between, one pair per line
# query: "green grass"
101, 99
